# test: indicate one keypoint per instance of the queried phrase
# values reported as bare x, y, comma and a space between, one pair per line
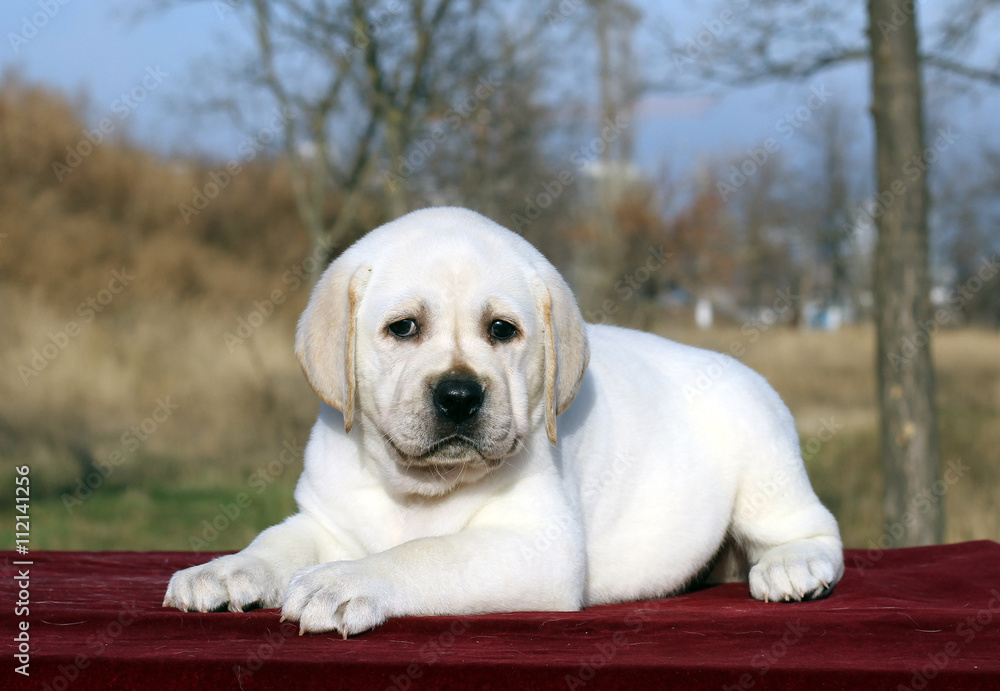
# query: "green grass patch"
179, 517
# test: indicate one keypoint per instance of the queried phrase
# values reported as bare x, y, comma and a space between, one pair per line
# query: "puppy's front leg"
485, 568
259, 574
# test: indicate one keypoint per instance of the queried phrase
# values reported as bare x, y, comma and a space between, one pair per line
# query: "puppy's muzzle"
458, 400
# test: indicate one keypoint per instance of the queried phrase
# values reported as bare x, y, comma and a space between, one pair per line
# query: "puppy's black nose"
458, 399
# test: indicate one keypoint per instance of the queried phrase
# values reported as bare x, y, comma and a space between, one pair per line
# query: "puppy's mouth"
450, 453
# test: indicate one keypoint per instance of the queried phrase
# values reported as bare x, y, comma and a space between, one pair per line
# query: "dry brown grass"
160, 336
236, 408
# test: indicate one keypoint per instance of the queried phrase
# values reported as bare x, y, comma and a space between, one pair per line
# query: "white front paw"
236, 580
340, 596
803, 570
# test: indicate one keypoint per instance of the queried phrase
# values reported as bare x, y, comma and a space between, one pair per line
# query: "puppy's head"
450, 339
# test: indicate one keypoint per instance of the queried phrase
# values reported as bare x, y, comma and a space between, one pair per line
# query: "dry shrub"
121, 207
163, 334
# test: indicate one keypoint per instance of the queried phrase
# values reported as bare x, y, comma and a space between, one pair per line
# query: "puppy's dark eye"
404, 328
501, 330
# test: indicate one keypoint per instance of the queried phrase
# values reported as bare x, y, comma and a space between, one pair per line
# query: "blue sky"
99, 51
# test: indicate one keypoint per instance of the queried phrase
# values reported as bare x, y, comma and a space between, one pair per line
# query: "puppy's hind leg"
791, 541
792, 546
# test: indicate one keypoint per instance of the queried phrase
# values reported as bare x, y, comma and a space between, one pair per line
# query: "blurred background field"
146, 368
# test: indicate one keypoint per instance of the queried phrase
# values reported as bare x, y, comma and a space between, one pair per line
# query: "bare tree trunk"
909, 444
396, 142
608, 101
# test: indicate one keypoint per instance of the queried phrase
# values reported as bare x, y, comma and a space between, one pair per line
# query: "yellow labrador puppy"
444, 347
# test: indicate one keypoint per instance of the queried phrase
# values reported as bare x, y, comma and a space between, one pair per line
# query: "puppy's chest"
379, 523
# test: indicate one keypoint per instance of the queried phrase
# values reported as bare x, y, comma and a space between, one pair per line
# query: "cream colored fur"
636, 489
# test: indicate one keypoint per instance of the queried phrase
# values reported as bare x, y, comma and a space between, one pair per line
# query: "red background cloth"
913, 618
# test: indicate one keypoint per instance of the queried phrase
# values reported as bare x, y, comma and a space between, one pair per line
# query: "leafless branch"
976, 74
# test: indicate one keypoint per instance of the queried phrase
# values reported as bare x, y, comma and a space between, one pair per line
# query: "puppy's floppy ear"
564, 339
326, 336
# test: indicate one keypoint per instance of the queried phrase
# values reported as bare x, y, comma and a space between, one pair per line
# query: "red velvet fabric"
900, 619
